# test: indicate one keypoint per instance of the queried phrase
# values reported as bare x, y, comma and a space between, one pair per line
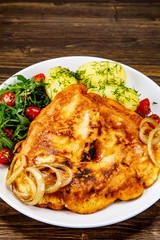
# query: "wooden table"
124, 31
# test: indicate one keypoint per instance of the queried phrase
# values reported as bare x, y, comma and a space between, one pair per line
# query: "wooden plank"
35, 30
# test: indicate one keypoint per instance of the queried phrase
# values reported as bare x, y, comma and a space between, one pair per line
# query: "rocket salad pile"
19, 105
22, 102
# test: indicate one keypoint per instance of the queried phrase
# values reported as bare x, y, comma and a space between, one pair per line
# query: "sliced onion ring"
149, 120
145, 138
142, 135
25, 196
36, 179
67, 169
12, 176
40, 185
150, 144
57, 185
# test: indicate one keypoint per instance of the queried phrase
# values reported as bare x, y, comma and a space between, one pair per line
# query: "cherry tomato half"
9, 98
144, 107
5, 155
38, 77
155, 117
32, 112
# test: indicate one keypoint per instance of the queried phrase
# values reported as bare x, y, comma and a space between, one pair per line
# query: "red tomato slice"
38, 77
32, 112
5, 155
144, 107
9, 98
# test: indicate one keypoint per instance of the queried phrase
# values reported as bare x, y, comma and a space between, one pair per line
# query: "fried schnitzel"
98, 139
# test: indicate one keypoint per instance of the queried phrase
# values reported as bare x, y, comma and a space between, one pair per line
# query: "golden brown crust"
98, 139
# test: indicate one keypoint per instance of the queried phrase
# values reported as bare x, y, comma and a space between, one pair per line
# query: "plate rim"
74, 225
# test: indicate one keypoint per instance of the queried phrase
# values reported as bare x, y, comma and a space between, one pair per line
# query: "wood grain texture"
124, 31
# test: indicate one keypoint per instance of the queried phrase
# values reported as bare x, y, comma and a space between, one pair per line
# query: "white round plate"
115, 212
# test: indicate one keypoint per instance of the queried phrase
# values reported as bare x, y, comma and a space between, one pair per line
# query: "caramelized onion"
152, 138
57, 185
36, 179
149, 120
142, 134
67, 169
40, 183
12, 175
27, 196
150, 144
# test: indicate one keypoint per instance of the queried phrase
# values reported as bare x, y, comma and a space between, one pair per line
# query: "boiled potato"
95, 74
124, 95
58, 78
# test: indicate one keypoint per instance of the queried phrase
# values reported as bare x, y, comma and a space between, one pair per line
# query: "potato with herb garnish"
124, 95
93, 74
58, 78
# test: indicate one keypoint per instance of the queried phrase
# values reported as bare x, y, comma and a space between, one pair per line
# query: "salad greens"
28, 93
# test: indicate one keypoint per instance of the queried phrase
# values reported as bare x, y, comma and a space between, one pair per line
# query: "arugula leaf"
23, 120
21, 78
6, 142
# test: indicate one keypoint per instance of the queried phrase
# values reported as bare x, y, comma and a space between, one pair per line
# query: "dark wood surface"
124, 31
